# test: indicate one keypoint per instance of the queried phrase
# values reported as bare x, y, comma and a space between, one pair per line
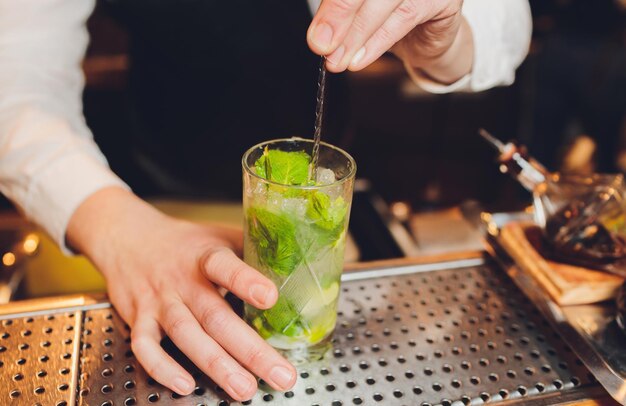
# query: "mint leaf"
287, 168
326, 229
326, 214
274, 236
260, 328
262, 165
283, 318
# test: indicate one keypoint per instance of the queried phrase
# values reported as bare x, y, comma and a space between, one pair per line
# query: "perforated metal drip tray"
455, 333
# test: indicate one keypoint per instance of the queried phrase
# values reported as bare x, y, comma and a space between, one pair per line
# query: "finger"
185, 331
401, 21
145, 343
221, 266
123, 302
371, 16
330, 24
248, 348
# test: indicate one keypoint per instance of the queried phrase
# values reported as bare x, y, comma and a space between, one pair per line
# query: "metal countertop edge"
411, 269
4, 314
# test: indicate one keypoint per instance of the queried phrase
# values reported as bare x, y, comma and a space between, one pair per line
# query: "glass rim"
337, 182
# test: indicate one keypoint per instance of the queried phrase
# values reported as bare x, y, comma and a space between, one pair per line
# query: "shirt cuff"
501, 31
499, 46
58, 191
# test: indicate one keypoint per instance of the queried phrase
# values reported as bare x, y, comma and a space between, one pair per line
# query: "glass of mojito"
296, 220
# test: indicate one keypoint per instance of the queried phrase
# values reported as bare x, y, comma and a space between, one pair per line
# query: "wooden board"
566, 284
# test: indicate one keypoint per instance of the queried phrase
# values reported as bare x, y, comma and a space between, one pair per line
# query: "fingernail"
358, 56
183, 386
323, 35
336, 57
240, 384
281, 376
260, 293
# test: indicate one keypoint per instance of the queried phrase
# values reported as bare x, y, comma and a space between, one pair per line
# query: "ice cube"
334, 192
325, 176
274, 201
260, 189
297, 206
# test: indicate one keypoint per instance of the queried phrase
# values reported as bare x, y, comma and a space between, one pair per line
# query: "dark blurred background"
177, 90
567, 105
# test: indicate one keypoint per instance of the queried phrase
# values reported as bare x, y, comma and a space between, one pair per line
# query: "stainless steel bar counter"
452, 330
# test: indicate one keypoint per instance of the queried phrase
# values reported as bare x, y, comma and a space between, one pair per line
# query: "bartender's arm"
446, 45
162, 273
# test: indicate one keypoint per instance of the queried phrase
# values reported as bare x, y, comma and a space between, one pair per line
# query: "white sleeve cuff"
58, 191
48, 168
501, 32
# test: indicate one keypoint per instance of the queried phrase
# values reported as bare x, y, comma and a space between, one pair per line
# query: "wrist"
102, 224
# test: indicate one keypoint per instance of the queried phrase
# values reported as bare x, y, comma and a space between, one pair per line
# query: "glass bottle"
583, 217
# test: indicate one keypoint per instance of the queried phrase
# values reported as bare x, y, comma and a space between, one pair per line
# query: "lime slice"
321, 330
330, 293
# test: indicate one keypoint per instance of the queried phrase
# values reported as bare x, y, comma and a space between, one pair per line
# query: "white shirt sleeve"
314, 5
501, 31
49, 163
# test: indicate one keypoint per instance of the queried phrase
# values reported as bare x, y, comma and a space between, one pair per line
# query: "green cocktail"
296, 221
